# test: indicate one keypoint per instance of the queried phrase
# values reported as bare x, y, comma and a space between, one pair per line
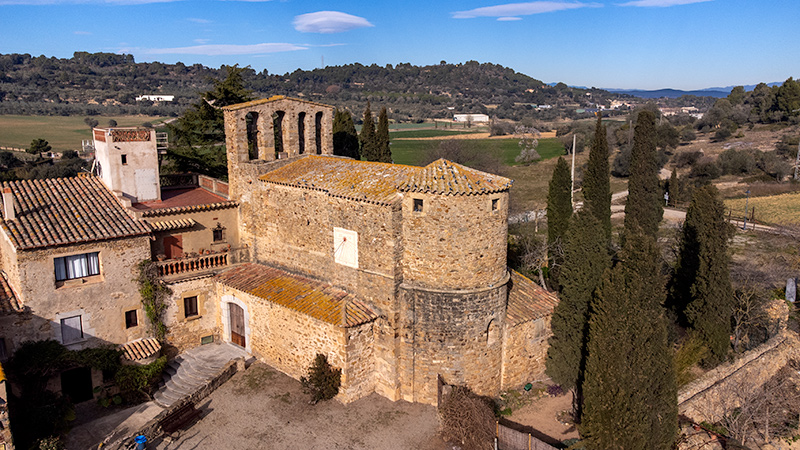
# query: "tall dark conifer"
559, 210
643, 209
701, 290
382, 138
630, 393
596, 184
586, 260
345, 138
369, 150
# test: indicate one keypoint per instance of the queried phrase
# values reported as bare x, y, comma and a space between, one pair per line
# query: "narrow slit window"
417, 205
494, 204
124, 159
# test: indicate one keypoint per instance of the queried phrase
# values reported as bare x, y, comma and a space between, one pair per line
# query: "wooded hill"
107, 84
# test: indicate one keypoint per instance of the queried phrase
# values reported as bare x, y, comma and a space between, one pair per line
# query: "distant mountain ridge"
716, 92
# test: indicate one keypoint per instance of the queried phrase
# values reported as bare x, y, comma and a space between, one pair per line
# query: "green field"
63, 133
411, 152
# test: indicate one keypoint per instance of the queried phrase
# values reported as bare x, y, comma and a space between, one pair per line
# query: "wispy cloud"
202, 41
512, 11
225, 49
197, 20
329, 22
508, 19
661, 3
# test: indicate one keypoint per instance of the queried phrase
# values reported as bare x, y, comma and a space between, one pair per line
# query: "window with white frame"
71, 330
77, 266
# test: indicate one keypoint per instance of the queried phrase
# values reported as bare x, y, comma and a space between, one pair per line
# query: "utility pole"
572, 177
797, 161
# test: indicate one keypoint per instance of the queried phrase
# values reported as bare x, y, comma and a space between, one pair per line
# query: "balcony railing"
202, 263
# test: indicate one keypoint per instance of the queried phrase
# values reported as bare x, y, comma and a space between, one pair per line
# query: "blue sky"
644, 44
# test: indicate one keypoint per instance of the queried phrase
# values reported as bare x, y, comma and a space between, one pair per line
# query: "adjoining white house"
156, 98
470, 118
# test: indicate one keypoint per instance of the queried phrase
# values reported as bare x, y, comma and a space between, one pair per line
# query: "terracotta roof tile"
313, 298
59, 211
448, 178
176, 224
371, 182
8, 300
380, 183
274, 98
140, 349
527, 300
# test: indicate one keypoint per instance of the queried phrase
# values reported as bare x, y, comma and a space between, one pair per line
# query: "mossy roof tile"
527, 300
313, 298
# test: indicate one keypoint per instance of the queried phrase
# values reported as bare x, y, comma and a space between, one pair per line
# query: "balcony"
202, 264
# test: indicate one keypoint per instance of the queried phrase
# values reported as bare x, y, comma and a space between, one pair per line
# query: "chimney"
8, 204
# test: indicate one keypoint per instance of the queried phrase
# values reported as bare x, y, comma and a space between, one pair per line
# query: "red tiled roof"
313, 298
371, 182
178, 201
140, 349
527, 300
380, 183
60, 211
274, 98
8, 300
448, 178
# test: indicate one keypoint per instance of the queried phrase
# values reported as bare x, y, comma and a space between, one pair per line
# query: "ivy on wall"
154, 293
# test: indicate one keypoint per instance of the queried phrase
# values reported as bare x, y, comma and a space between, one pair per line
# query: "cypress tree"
643, 209
382, 137
345, 138
586, 260
701, 290
369, 149
559, 211
674, 188
596, 184
630, 393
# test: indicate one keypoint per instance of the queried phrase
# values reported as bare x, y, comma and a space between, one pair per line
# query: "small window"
77, 266
71, 330
130, 319
417, 205
124, 159
218, 233
190, 306
494, 204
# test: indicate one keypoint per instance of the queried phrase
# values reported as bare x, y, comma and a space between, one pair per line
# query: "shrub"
467, 419
136, 381
51, 443
737, 162
686, 159
323, 381
688, 134
555, 390
705, 169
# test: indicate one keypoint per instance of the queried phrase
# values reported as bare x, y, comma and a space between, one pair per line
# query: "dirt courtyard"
265, 409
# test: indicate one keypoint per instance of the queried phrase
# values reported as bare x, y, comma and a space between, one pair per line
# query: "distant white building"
156, 98
470, 118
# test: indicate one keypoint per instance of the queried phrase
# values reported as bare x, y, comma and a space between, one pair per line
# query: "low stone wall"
701, 399
525, 352
152, 429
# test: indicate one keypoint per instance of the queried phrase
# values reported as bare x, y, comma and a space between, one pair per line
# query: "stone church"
396, 273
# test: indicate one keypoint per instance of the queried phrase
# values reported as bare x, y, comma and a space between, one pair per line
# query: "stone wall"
200, 236
292, 228
185, 333
289, 341
455, 334
100, 300
456, 241
525, 352
710, 396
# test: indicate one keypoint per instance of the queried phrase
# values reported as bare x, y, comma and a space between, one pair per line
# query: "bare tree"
467, 419
748, 313
528, 141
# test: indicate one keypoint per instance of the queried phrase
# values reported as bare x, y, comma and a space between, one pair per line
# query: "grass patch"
63, 133
255, 379
412, 152
783, 209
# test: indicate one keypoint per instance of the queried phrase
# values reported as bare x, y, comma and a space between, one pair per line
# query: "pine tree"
701, 290
382, 138
586, 260
630, 394
559, 211
367, 137
345, 138
643, 209
596, 184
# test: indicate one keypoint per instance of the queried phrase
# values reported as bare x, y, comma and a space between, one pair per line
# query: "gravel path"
262, 408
